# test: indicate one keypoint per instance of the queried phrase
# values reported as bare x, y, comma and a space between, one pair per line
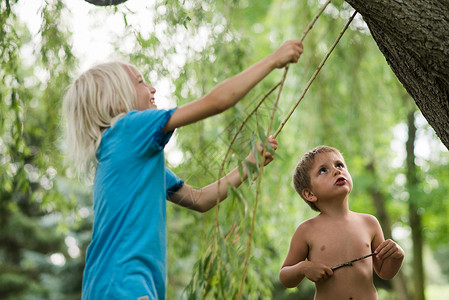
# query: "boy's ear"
308, 195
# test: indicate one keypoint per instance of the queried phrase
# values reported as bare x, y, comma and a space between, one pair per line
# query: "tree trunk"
414, 216
413, 35
399, 281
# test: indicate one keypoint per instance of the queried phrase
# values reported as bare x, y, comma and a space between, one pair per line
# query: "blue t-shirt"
127, 256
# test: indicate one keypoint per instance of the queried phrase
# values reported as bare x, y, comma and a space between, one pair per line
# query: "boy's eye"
322, 171
340, 165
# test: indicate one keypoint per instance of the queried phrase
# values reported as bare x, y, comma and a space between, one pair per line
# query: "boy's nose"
337, 172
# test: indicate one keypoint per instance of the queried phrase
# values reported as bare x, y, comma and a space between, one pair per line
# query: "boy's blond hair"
301, 177
93, 103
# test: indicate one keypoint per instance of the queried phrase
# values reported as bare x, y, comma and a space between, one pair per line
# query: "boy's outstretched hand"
288, 52
268, 156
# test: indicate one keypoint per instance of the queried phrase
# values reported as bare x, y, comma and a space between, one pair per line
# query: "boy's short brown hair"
301, 177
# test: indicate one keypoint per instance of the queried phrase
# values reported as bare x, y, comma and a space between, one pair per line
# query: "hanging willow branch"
281, 83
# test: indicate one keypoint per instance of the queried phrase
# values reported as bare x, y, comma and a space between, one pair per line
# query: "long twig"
309, 83
281, 83
309, 27
349, 263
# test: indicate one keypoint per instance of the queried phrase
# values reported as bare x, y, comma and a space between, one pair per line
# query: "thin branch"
309, 83
309, 27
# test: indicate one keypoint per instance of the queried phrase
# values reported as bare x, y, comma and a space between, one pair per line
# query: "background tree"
413, 206
29, 154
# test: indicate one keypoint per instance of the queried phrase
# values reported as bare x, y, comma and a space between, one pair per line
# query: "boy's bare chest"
335, 243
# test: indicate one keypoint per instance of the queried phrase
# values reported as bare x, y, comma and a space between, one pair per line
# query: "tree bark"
413, 35
414, 216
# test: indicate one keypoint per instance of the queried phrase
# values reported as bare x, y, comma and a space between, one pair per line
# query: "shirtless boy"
337, 235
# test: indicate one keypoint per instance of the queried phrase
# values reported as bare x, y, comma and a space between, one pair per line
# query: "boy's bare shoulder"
310, 222
307, 225
368, 219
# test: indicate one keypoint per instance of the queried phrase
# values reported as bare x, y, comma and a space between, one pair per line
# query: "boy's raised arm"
229, 92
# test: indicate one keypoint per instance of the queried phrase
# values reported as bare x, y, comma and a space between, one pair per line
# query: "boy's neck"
335, 209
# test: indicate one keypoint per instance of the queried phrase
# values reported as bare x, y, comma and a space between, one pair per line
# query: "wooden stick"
314, 75
309, 27
349, 263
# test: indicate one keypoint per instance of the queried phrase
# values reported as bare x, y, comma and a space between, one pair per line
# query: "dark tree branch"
413, 37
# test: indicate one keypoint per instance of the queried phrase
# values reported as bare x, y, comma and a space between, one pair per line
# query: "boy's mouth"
340, 181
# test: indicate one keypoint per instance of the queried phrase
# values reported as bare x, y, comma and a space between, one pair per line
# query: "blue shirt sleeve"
173, 182
146, 127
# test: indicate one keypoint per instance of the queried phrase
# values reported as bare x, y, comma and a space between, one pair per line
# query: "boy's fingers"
381, 246
385, 249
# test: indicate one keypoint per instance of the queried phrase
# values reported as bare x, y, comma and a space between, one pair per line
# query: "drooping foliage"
33, 76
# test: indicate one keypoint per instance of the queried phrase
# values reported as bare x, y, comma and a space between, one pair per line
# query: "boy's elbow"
221, 105
284, 280
386, 276
281, 278
203, 209
202, 206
